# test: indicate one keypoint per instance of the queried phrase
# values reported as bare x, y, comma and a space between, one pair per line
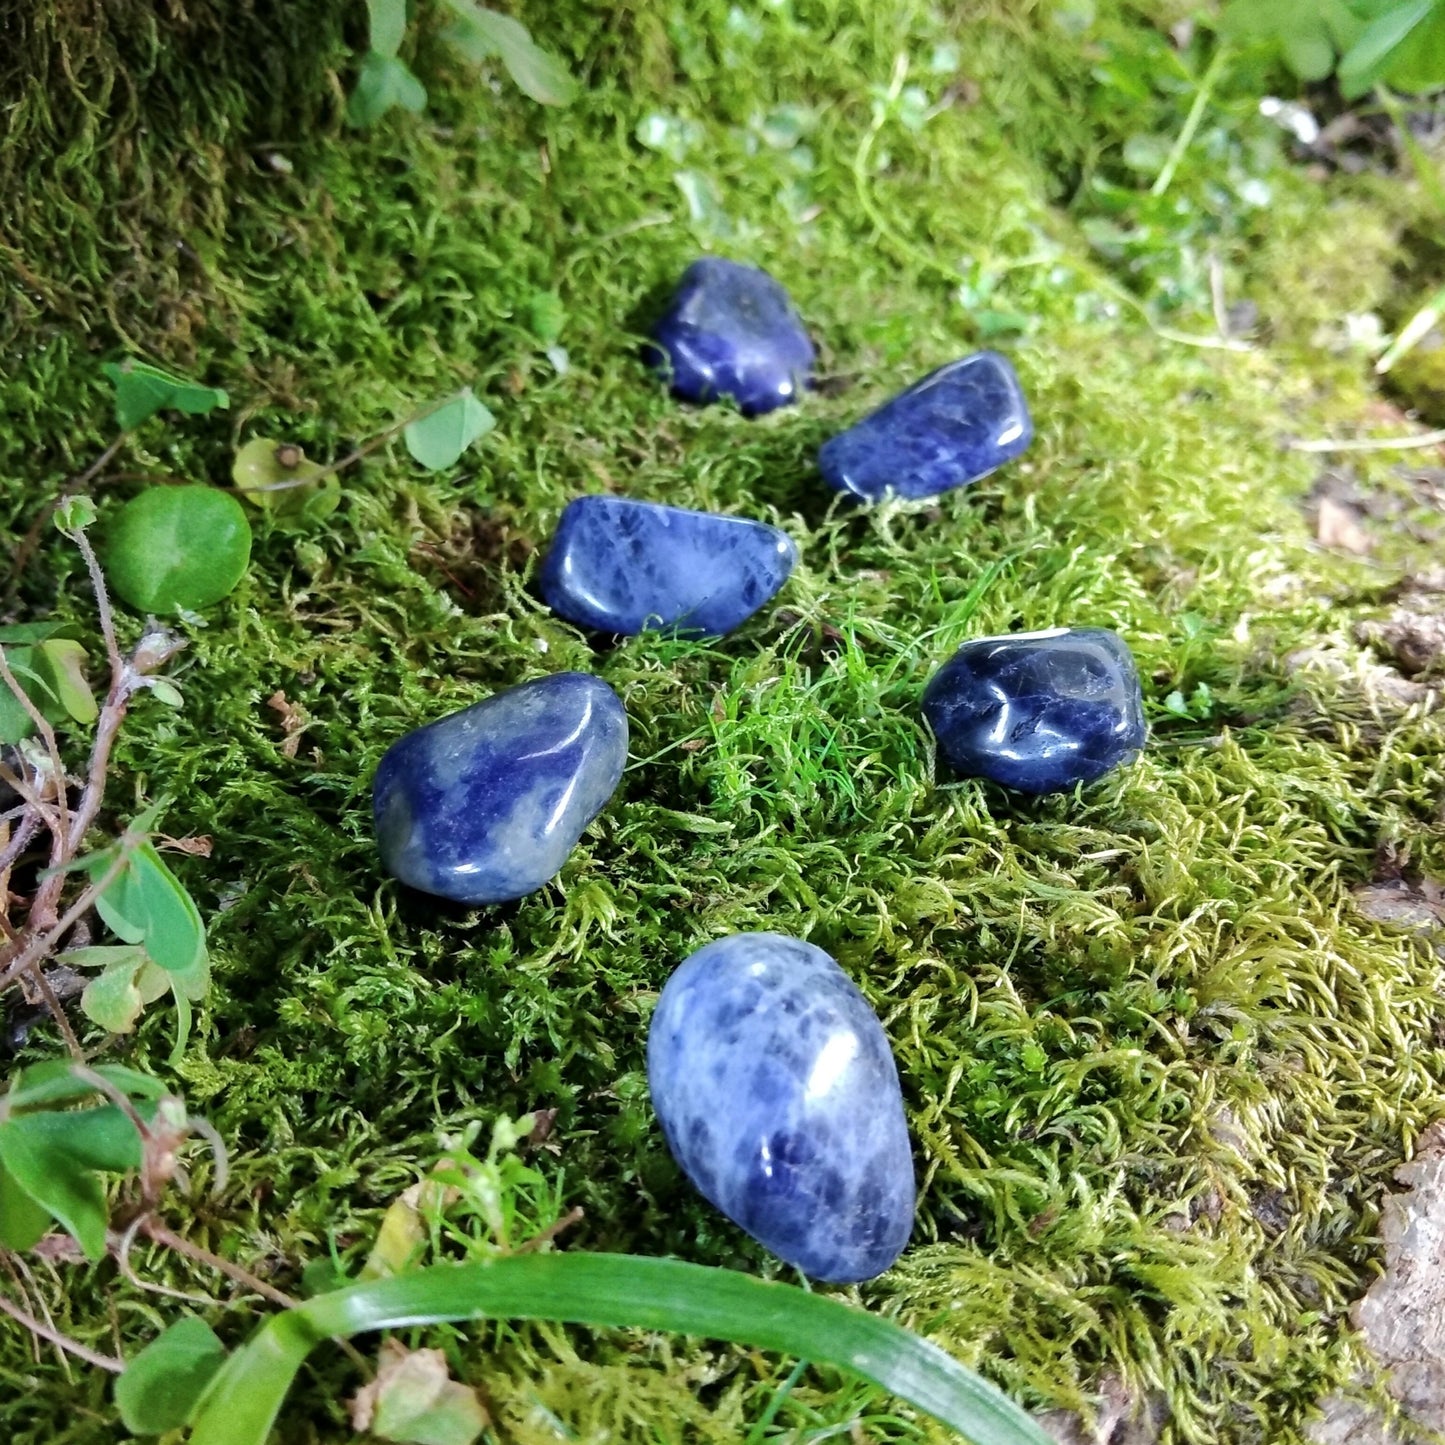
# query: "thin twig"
57, 1011
161, 1233
1371, 444
573, 1216
74, 1347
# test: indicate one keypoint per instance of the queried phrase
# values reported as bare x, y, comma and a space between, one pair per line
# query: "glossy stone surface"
778, 1096
1038, 711
730, 330
486, 804
623, 566
956, 425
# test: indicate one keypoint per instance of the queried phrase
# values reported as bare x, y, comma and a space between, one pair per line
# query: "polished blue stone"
486, 804
730, 330
623, 566
1038, 711
778, 1096
950, 429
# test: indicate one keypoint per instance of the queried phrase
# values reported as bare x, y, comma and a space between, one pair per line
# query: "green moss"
1158, 1070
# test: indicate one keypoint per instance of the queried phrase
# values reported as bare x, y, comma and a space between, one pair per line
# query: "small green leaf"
414, 1401
54, 1180
480, 33
438, 439
704, 204
277, 477
23, 1222
166, 692
64, 660
178, 547
141, 390
388, 25
162, 1386
112, 999
147, 904
75, 514
384, 82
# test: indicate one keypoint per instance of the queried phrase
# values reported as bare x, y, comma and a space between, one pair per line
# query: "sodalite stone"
778, 1096
623, 566
1038, 711
730, 330
956, 425
486, 804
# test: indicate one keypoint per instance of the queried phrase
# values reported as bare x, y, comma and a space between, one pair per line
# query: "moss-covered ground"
1158, 1067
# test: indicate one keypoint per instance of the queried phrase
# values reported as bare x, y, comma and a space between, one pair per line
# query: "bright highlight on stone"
1038, 711
485, 805
779, 1098
623, 566
731, 330
955, 426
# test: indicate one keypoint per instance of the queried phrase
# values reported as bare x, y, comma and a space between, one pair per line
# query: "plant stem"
1185, 137
69, 488
74, 1347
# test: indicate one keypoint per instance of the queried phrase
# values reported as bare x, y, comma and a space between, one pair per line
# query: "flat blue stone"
956, 425
1038, 711
486, 804
778, 1096
730, 330
623, 566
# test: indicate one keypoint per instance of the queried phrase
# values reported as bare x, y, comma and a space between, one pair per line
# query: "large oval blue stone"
953, 427
623, 566
486, 804
778, 1096
1038, 711
730, 330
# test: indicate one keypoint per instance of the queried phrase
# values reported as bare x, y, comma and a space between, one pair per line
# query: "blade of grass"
618, 1291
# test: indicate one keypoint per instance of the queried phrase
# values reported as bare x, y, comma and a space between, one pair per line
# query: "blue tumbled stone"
486, 804
1038, 711
950, 429
730, 330
778, 1096
623, 566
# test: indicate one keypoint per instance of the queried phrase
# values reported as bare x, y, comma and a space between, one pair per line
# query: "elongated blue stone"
486, 804
778, 1096
623, 566
730, 330
956, 425
1038, 711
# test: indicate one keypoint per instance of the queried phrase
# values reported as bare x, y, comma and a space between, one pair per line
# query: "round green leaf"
178, 547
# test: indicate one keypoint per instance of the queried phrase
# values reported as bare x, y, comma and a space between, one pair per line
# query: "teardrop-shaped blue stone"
778, 1096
